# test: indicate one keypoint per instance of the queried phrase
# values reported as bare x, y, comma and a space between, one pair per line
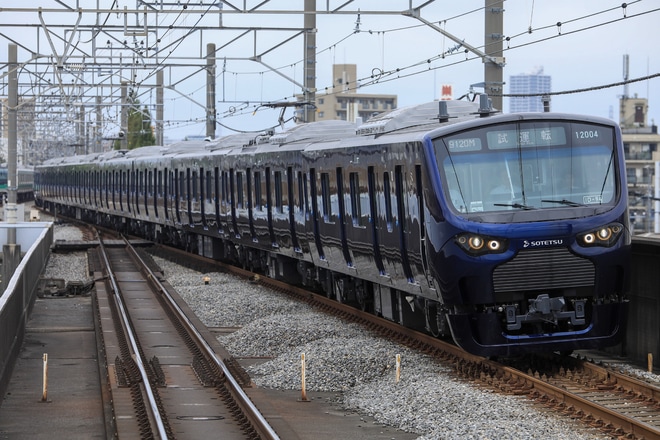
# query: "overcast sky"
585, 51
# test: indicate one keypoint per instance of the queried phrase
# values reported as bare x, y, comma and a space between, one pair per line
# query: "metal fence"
17, 300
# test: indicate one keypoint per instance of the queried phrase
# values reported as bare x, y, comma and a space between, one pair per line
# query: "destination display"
509, 136
464, 144
526, 137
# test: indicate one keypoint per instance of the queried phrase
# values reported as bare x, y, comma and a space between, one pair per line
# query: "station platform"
63, 329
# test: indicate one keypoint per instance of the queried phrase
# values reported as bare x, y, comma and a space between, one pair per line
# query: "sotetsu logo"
542, 243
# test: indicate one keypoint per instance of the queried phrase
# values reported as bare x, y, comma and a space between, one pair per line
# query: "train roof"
152, 150
326, 130
239, 140
416, 116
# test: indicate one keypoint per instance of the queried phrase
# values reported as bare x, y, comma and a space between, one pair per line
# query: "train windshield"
529, 166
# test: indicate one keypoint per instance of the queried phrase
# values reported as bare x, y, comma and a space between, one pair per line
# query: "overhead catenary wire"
405, 71
399, 72
444, 60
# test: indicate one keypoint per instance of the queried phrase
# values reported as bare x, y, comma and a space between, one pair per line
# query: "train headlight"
604, 236
475, 244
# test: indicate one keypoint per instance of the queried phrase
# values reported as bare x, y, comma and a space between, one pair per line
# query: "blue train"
508, 232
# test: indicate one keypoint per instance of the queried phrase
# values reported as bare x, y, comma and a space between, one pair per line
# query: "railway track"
619, 405
164, 379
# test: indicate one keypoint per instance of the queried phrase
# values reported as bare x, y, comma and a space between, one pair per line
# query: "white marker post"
303, 397
398, 367
44, 394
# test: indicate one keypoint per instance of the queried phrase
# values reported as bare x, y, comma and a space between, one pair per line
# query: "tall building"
640, 144
534, 83
343, 102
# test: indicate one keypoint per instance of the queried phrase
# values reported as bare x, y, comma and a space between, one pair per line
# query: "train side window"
301, 192
224, 188
210, 195
248, 183
146, 190
202, 188
232, 194
124, 196
258, 203
388, 200
278, 192
287, 192
399, 198
195, 185
106, 183
114, 187
182, 185
305, 194
356, 209
165, 176
325, 197
216, 193
239, 190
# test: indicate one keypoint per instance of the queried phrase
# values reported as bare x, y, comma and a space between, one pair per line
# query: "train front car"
530, 239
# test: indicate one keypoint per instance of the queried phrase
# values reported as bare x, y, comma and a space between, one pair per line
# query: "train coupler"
545, 309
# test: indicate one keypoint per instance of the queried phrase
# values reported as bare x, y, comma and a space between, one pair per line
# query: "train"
507, 232
24, 187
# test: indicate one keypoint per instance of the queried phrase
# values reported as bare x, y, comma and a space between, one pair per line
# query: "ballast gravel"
345, 358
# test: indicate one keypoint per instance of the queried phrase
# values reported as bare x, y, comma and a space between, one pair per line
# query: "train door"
130, 194
206, 195
329, 218
359, 230
177, 194
269, 206
217, 199
143, 191
260, 216
419, 227
232, 202
280, 219
123, 191
402, 224
114, 187
250, 203
148, 190
158, 189
375, 223
97, 187
225, 206
315, 220
341, 216
241, 211
386, 222
301, 213
190, 184
166, 193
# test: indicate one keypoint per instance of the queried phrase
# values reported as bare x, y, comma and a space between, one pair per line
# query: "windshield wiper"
515, 205
563, 202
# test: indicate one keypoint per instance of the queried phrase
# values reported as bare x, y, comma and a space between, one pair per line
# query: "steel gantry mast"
79, 62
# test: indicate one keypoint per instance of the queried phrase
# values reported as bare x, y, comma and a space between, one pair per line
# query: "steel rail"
259, 421
162, 432
630, 425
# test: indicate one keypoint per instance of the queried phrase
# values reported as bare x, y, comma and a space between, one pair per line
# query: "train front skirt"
474, 333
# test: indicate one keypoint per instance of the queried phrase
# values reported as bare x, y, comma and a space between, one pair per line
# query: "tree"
139, 130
